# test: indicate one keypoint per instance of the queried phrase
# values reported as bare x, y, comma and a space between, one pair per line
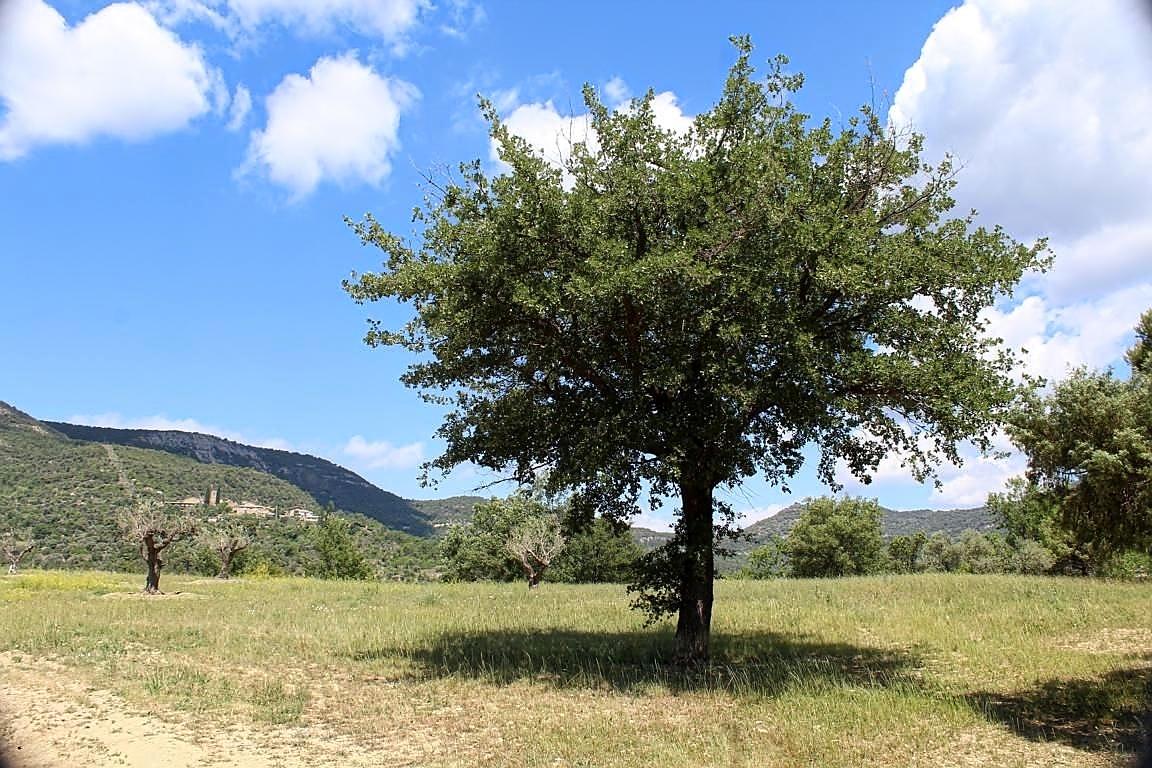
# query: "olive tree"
155, 527
670, 312
535, 543
15, 548
226, 538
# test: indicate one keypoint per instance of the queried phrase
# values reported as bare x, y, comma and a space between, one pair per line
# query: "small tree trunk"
694, 622
225, 564
152, 585
534, 577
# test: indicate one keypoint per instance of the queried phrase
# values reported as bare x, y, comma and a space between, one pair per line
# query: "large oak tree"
669, 313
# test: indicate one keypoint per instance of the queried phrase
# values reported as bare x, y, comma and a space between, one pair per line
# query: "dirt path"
121, 475
49, 720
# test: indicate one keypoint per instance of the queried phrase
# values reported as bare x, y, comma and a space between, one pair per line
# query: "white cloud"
552, 134
969, 486
617, 91
163, 422
756, 514
241, 106
464, 15
340, 123
1056, 338
549, 132
117, 73
383, 454
388, 18
668, 114
966, 485
1046, 105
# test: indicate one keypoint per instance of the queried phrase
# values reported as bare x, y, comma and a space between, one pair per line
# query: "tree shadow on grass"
763, 663
1104, 714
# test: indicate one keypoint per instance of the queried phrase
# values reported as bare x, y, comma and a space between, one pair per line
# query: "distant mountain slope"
67, 494
896, 522
324, 480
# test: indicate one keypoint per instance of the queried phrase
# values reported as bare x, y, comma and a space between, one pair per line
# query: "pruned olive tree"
535, 543
155, 527
672, 312
226, 538
15, 548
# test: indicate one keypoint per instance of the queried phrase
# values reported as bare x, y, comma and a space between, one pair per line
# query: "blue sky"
174, 174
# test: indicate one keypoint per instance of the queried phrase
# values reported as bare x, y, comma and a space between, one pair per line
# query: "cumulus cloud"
549, 132
552, 134
117, 73
1054, 338
617, 91
339, 123
383, 454
964, 485
1045, 105
163, 422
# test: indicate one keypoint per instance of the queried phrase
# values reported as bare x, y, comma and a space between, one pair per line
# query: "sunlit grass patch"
19, 584
276, 702
918, 671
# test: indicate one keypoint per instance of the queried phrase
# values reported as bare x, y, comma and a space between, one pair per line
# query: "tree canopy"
669, 312
837, 537
593, 551
1089, 447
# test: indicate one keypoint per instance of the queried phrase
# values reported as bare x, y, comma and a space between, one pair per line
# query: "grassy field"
928, 670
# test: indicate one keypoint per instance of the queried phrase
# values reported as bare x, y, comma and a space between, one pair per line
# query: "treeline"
525, 537
339, 546
344, 545
1084, 505
842, 537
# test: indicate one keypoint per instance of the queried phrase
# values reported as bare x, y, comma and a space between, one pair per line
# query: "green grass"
912, 670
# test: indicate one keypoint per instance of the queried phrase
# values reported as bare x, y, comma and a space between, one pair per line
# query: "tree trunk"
152, 585
694, 623
225, 565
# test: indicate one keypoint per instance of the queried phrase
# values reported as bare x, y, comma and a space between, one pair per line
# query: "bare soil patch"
48, 719
1112, 641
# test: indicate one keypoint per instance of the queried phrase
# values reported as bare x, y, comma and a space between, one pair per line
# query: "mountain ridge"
896, 522
325, 480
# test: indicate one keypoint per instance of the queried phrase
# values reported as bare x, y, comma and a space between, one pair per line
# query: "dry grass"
887, 671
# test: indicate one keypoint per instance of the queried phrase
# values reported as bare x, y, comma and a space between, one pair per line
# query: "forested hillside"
325, 481
66, 495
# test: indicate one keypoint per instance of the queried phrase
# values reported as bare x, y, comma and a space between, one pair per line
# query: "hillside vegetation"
926, 671
66, 494
328, 483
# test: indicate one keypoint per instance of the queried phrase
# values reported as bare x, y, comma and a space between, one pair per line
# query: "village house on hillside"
213, 498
